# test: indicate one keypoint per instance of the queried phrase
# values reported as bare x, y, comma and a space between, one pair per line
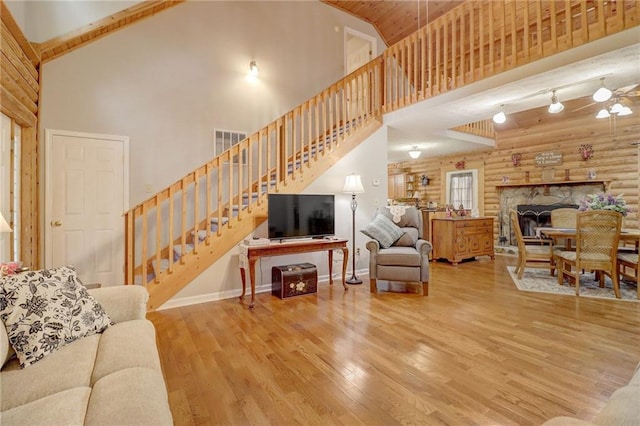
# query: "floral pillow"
44, 310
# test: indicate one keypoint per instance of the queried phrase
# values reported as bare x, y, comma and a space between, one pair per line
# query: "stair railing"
163, 231
479, 39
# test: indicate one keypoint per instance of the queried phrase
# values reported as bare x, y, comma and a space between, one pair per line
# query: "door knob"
56, 223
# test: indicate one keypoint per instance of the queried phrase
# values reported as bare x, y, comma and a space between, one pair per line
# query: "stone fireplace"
534, 202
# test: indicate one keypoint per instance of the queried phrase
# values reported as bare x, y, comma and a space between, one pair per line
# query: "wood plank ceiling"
395, 20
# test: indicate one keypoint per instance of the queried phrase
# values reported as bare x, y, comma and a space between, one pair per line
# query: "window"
462, 189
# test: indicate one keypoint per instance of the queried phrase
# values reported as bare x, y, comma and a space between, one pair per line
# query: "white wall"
44, 20
169, 80
369, 159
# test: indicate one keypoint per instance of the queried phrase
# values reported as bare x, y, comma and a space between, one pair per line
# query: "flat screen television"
300, 216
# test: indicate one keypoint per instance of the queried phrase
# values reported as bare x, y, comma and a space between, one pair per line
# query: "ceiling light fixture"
253, 68
556, 106
625, 111
500, 117
602, 94
415, 152
617, 108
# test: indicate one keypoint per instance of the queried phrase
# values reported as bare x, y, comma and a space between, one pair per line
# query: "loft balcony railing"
474, 41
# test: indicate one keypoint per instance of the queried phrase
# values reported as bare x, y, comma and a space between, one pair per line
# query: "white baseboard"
230, 294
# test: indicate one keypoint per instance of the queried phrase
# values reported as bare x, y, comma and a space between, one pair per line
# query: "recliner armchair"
406, 259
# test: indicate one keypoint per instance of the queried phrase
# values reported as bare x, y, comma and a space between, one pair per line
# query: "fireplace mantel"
604, 183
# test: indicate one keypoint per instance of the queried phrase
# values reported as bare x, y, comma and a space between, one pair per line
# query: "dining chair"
597, 236
533, 252
628, 267
564, 217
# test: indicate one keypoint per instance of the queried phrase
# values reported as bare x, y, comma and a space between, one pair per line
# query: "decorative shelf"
604, 183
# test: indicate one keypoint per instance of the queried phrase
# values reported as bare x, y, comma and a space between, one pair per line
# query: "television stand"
249, 255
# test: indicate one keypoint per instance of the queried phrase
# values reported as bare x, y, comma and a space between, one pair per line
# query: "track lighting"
415, 152
500, 117
556, 106
602, 94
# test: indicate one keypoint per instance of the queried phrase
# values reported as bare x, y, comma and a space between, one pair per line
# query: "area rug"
539, 280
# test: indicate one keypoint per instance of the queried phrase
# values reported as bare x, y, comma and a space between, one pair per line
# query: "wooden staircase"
178, 233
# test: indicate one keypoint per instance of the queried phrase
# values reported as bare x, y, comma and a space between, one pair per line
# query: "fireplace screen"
532, 216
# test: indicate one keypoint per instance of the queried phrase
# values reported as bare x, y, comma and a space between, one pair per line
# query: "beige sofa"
111, 378
622, 409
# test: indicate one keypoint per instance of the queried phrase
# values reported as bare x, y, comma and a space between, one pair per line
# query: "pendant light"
556, 106
602, 94
415, 152
500, 117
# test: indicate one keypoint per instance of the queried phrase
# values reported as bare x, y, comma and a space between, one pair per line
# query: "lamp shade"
353, 184
4, 226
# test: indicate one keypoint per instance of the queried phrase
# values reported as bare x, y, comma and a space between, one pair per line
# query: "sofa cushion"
408, 239
47, 309
69, 367
63, 408
125, 345
410, 218
117, 399
398, 256
622, 409
383, 230
6, 350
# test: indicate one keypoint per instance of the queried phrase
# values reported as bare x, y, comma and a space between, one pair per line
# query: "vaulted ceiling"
395, 20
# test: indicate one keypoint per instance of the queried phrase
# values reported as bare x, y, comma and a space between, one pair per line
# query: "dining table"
626, 235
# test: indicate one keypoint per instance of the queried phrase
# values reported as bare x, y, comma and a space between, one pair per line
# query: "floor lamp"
353, 186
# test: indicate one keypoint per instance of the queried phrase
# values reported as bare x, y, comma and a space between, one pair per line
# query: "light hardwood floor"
475, 351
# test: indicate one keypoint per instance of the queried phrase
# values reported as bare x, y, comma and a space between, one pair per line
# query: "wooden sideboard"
456, 239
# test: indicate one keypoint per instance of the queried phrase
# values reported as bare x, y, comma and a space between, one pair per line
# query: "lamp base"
353, 280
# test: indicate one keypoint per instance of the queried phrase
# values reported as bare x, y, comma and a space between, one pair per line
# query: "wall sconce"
515, 158
253, 68
424, 180
586, 151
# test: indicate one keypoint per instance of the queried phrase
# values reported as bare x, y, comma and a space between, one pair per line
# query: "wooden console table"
251, 255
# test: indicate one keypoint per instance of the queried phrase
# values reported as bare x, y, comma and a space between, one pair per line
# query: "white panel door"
86, 196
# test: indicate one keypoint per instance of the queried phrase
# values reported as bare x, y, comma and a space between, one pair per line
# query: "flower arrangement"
604, 202
9, 268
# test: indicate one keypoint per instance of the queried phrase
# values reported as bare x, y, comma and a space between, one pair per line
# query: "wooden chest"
462, 238
294, 280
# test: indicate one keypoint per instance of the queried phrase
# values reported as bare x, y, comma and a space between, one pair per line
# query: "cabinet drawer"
472, 231
480, 223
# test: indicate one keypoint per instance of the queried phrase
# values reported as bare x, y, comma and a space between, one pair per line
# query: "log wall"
615, 157
19, 96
